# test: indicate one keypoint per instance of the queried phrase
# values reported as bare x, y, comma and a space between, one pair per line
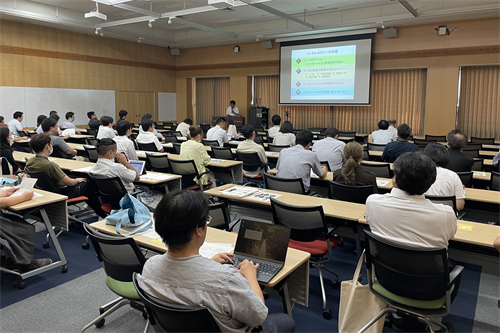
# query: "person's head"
124, 128
70, 116
404, 131
248, 131
353, 153
195, 133
221, 122
232, 103
39, 119
188, 121
146, 116
122, 114
276, 119
49, 125
2, 121
332, 132
53, 112
106, 121
147, 125
91, 115
456, 139
106, 148
438, 153
392, 122
383, 124
41, 143
286, 127
6, 139
181, 218
304, 138
55, 116
414, 173
18, 115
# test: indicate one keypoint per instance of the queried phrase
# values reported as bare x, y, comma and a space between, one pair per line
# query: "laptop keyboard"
264, 268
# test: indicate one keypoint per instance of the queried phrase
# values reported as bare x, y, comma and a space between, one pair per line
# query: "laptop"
139, 166
264, 244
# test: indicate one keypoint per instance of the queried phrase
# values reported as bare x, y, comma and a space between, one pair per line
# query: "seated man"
183, 127
249, 146
56, 118
147, 135
150, 116
392, 127
94, 123
181, 276
330, 149
383, 135
298, 161
68, 124
49, 126
17, 237
123, 143
194, 150
106, 129
276, 120
458, 161
218, 132
393, 149
15, 125
447, 182
106, 166
123, 116
404, 215
42, 146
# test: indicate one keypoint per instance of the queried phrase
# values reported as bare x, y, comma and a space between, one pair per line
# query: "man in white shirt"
15, 124
233, 109
123, 144
183, 127
147, 136
106, 166
219, 132
68, 124
276, 120
149, 116
330, 149
249, 146
383, 135
393, 128
106, 129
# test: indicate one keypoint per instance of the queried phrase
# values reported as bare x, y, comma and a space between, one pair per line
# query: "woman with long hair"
39, 120
285, 136
6, 140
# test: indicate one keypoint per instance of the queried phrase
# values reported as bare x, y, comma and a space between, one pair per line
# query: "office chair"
289, 185
276, 148
177, 148
221, 219
423, 142
205, 128
251, 162
171, 138
223, 153
448, 201
326, 164
366, 157
259, 129
170, 317
310, 234
375, 146
413, 281
478, 164
390, 158
344, 192
91, 153
347, 135
474, 153
382, 170
57, 152
486, 141
477, 146
176, 133
158, 126
213, 143
259, 139
466, 178
91, 131
437, 138
495, 181
91, 142
147, 146
110, 190
187, 169
158, 163
120, 258
6, 167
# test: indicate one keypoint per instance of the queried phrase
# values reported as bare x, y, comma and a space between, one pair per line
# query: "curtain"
212, 98
479, 102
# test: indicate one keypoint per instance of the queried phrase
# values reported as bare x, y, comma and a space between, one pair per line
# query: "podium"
237, 121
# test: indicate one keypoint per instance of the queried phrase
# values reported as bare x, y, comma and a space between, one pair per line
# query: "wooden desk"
236, 143
483, 195
487, 153
296, 267
491, 147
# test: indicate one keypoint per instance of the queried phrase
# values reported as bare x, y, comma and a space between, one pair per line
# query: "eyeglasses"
209, 219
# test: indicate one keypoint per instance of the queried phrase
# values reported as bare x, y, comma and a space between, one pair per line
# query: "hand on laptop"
223, 257
248, 269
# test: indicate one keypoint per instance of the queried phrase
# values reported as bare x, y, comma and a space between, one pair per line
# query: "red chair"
309, 234
111, 191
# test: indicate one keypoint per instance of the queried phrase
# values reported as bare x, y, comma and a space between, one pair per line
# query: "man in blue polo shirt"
393, 149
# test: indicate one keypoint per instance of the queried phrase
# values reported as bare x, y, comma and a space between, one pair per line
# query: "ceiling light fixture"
170, 19
150, 23
98, 31
139, 40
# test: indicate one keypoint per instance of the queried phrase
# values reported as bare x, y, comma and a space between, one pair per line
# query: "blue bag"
133, 213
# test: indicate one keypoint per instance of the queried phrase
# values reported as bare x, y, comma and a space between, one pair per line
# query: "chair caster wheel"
20, 283
45, 245
85, 246
100, 323
335, 284
327, 313
65, 268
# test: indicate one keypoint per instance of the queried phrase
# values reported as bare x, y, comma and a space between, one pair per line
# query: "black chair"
259, 139
57, 152
495, 181
187, 169
486, 141
168, 317
412, 281
159, 126
158, 163
478, 164
147, 146
448, 201
284, 184
423, 142
344, 192
171, 138
421, 147
251, 162
23, 134
474, 153
120, 258
221, 218
222, 153
438, 138
390, 158
177, 148
213, 143
92, 132
466, 178
477, 146
6, 169
91, 142
375, 146
91, 153
382, 170
276, 148
176, 133
326, 164
110, 190
310, 234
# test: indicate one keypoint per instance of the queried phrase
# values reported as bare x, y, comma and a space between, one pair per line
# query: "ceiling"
245, 21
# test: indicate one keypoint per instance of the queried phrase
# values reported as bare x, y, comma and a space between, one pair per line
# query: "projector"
96, 14
221, 3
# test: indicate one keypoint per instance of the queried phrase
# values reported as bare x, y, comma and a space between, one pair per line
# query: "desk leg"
359, 250
282, 289
232, 176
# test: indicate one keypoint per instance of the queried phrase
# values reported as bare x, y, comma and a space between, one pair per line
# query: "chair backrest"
474, 153
213, 143
375, 146
423, 142
251, 161
6, 169
344, 192
159, 163
220, 216
487, 141
158, 126
382, 170
413, 272
466, 178
91, 142
478, 146
224, 153
177, 148
171, 138
284, 184
348, 134
170, 317
119, 256
448, 200
421, 147
307, 222
276, 148
43, 182
205, 128
438, 138
147, 146
110, 190
326, 164
92, 153
185, 168
91, 131
390, 158
259, 139
478, 164
57, 152
176, 133
495, 181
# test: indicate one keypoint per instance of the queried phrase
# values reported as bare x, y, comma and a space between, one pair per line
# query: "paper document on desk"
382, 183
82, 170
80, 147
214, 160
131, 230
208, 250
480, 173
263, 196
26, 186
272, 153
37, 195
313, 175
239, 192
155, 176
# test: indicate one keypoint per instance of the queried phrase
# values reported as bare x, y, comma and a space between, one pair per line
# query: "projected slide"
323, 73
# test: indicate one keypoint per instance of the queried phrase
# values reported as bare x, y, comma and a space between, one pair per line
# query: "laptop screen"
263, 241
138, 166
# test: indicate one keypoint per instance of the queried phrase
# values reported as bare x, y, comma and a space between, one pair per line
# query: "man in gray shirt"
182, 276
49, 126
330, 149
298, 161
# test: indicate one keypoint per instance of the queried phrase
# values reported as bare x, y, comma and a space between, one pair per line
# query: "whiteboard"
102, 102
74, 100
167, 106
11, 100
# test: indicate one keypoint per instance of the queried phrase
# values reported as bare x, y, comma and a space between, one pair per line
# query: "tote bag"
132, 214
358, 305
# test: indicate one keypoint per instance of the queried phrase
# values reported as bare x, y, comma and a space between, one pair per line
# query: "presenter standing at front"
233, 110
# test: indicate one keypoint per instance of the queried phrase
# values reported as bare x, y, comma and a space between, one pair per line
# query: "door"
128, 102
146, 104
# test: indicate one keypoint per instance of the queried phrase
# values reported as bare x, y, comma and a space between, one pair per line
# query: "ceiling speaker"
267, 45
390, 33
175, 51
